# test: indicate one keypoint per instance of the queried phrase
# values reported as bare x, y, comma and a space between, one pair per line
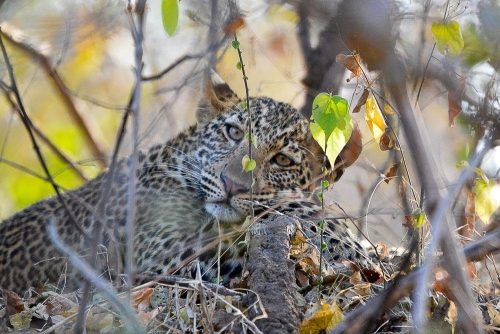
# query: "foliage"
448, 37
170, 15
332, 126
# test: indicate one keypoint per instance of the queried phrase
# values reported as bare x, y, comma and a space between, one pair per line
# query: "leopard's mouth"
224, 211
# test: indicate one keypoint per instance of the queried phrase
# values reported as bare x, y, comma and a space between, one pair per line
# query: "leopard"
189, 193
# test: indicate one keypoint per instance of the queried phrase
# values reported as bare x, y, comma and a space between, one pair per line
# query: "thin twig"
172, 66
250, 133
105, 196
137, 35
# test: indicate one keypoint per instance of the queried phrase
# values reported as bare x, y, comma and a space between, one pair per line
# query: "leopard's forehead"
270, 119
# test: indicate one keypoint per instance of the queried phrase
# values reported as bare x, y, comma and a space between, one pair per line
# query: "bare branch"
172, 66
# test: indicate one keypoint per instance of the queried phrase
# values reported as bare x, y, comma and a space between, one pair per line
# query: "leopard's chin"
224, 212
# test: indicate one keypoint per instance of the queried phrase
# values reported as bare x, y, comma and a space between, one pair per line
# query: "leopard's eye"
234, 133
283, 160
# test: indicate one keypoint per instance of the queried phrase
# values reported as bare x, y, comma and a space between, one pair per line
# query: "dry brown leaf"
364, 290
301, 278
298, 239
99, 320
352, 149
386, 142
494, 314
146, 317
470, 211
309, 265
232, 27
442, 281
361, 101
391, 172
382, 250
351, 62
371, 275
452, 316
141, 298
13, 302
356, 278
60, 305
455, 102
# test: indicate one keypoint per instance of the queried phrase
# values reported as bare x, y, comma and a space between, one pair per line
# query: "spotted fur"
189, 192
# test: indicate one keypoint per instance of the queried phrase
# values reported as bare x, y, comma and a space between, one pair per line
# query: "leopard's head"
288, 160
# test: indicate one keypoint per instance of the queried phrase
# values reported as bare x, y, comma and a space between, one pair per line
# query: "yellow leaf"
374, 119
324, 320
336, 141
283, 13
487, 198
448, 37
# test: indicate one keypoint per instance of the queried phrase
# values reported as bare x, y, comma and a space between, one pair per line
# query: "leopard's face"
287, 158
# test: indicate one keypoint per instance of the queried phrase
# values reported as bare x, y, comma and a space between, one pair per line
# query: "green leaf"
336, 142
418, 218
475, 50
235, 44
322, 223
320, 196
170, 15
244, 105
253, 139
248, 164
330, 112
448, 37
238, 65
323, 246
324, 184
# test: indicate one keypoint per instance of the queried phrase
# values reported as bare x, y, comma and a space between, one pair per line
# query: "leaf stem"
247, 99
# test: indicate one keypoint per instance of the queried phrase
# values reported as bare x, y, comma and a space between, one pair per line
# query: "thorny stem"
322, 221
247, 94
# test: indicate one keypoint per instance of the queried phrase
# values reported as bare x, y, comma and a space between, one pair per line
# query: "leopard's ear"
218, 98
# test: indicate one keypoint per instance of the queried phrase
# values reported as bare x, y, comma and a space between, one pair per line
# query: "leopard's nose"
232, 188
